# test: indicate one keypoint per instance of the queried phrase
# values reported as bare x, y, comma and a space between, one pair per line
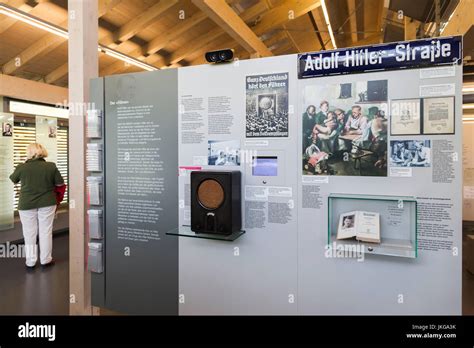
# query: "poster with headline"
267, 105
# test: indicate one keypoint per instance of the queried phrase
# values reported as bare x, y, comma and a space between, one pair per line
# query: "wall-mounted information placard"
6, 168
46, 135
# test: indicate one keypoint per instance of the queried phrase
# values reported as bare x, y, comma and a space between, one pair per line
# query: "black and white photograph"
52, 131
410, 153
223, 152
348, 221
7, 129
267, 105
345, 129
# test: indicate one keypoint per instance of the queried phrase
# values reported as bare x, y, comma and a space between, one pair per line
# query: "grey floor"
46, 291
39, 291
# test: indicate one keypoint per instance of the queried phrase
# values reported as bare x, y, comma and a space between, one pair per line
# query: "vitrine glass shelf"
398, 222
185, 231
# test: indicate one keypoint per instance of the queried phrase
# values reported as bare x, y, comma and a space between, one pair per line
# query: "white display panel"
256, 273
329, 284
282, 264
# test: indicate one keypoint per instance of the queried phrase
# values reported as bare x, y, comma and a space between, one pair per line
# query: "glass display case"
381, 225
185, 231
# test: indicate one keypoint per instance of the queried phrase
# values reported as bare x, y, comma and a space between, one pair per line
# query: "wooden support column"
83, 65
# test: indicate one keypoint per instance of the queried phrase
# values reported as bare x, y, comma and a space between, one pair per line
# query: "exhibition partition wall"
319, 183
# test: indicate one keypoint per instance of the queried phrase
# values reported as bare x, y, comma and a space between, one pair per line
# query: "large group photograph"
345, 129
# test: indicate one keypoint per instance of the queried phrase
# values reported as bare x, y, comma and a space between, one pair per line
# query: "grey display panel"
141, 184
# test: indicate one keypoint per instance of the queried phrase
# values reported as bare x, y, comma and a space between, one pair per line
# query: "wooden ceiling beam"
288, 34
369, 40
155, 45
7, 22
462, 19
137, 24
283, 48
322, 28
239, 52
46, 44
57, 74
171, 34
38, 49
195, 46
205, 40
281, 14
225, 17
62, 71
383, 19
266, 20
411, 28
351, 5
18, 88
107, 5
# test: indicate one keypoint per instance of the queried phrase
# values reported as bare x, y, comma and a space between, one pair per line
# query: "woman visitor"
40, 184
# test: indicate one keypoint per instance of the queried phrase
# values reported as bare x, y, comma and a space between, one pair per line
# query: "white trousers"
34, 221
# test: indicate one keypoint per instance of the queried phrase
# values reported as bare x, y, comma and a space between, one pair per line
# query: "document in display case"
381, 225
95, 223
94, 157
95, 190
95, 260
362, 225
94, 124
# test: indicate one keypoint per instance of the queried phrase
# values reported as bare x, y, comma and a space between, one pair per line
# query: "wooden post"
83, 65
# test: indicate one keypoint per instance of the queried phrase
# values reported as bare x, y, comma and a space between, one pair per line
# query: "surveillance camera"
219, 56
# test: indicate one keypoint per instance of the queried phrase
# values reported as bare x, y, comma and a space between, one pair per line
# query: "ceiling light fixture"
56, 30
125, 58
328, 23
32, 20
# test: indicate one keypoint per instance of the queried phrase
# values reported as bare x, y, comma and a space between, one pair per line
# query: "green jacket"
38, 179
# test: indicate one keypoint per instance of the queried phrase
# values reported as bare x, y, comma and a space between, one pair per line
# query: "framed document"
405, 117
438, 115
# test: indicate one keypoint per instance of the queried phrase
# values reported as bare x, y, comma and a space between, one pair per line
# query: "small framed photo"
7, 129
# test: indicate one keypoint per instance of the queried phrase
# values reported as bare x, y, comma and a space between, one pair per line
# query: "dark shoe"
30, 268
50, 263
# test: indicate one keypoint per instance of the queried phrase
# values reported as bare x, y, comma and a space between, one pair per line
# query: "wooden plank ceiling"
172, 33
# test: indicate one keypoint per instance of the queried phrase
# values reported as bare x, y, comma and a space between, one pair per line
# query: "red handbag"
59, 192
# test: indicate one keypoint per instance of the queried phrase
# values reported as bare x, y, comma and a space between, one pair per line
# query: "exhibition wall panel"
141, 143
219, 130
468, 169
382, 284
377, 284
350, 189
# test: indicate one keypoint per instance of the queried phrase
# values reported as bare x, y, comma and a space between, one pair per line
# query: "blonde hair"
36, 150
